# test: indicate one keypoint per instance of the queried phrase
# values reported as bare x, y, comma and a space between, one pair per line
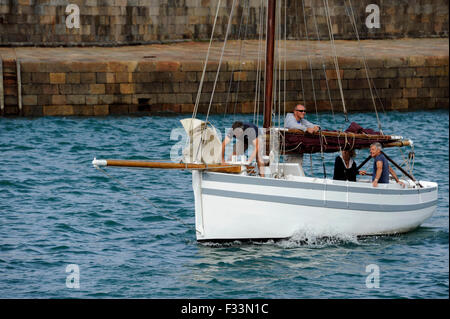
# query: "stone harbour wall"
104, 88
125, 22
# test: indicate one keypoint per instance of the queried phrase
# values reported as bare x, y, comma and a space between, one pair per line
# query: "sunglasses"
301, 111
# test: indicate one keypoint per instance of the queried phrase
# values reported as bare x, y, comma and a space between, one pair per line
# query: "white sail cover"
204, 146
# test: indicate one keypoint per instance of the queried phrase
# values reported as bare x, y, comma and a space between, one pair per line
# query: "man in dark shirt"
381, 167
244, 133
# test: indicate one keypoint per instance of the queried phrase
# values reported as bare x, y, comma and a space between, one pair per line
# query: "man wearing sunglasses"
296, 120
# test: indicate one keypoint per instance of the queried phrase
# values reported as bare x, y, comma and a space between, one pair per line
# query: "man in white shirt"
296, 120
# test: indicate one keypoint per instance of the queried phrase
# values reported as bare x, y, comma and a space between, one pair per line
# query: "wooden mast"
270, 48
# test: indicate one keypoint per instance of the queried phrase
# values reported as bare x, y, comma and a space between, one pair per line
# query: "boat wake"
299, 239
317, 240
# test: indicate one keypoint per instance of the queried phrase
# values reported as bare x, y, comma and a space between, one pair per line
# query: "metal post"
2, 93
19, 87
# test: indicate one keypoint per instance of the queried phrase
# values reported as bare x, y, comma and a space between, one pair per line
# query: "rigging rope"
217, 76
353, 22
300, 36
258, 72
309, 60
199, 92
246, 4
323, 64
321, 153
336, 64
221, 58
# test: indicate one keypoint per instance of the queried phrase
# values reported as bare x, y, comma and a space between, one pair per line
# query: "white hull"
231, 207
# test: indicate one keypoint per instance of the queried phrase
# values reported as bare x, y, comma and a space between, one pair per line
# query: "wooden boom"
225, 168
348, 135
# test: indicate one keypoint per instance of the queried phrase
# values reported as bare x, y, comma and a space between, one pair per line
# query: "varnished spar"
225, 168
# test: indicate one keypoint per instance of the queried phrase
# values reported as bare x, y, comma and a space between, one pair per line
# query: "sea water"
68, 230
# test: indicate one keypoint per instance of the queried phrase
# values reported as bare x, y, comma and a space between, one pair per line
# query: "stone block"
79, 89
28, 66
57, 110
332, 75
192, 66
441, 71
29, 99
32, 110
126, 88
112, 88
25, 77
167, 98
387, 73
118, 109
31, 89
424, 72
101, 110
82, 67
443, 82
395, 62
179, 76
57, 78
375, 63
184, 98
146, 66
167, 66
73, 77
419, 103
116, 67
123, 77
439, 92
97, 89
187, 108
437, 61
88, 78
65, 88
357, 84
350, 74
83, 110
414, 82
40, 77
106, 77
409, 92
348, 63
76, 99
240, 76
416, 60
294, 65
91, 99
407, 72
59, 99
431, 82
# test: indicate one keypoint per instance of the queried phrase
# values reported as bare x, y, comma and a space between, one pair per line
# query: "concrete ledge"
407, 74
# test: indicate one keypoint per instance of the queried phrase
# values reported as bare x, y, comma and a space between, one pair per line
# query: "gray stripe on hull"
250, 180
316, 202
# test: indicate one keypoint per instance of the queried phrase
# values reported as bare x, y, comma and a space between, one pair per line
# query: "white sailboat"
231, 202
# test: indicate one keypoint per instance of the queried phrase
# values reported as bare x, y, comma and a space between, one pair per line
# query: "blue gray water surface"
132, 235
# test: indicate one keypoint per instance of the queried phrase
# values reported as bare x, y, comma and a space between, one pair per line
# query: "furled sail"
355, 137
204, 144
